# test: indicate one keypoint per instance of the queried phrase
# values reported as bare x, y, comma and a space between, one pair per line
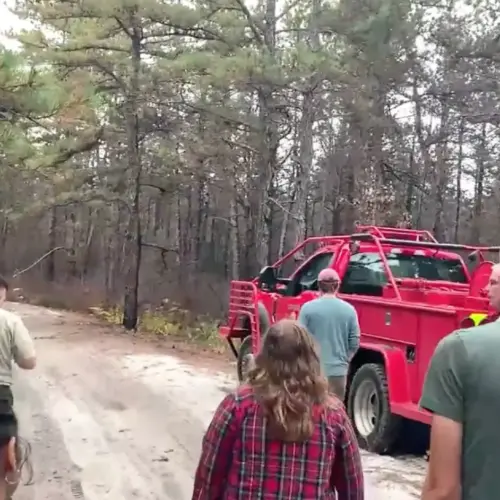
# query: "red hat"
328, 274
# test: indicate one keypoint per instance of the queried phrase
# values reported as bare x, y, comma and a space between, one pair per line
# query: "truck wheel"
264, 321
245, 355
369, 408
245, 358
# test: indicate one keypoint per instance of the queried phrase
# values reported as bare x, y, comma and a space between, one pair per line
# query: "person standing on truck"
334, 324
462, 390
281, 435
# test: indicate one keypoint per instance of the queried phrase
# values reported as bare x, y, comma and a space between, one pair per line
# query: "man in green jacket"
462, 390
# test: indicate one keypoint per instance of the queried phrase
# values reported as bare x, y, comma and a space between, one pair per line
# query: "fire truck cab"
409, 291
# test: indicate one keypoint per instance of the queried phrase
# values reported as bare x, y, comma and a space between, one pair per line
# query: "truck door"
303, 286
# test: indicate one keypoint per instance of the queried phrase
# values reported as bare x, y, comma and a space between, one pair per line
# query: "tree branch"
162, 250
44, 256
251, 22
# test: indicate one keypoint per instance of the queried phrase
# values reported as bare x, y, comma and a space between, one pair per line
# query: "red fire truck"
409, 291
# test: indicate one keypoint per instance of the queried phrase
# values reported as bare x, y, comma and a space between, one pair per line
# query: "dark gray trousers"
337, 386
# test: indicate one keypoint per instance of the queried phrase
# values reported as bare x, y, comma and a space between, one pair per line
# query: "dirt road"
114, 418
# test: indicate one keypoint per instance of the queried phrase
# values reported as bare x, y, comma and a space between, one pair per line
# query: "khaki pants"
337, 386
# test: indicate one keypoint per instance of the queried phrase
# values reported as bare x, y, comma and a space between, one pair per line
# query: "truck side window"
365, 275
307, 277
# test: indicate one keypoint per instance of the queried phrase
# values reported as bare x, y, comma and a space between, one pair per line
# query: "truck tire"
376, 428
245, 358
264, 320
245, 355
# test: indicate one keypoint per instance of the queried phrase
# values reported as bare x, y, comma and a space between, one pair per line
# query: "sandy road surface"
113, 418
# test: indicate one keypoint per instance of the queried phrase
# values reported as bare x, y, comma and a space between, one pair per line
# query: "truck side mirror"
472, 257
267, 277
473, 260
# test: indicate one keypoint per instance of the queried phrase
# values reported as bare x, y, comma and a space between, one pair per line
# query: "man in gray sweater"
334, 324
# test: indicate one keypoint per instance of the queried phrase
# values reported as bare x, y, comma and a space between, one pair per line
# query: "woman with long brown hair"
281, 435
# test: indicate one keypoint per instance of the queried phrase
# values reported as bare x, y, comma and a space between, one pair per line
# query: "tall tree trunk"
50, 270
479, 186
441, 174
134, 233
458, 195
233, 239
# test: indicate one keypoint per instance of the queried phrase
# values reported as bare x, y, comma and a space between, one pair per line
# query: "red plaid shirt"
239, 462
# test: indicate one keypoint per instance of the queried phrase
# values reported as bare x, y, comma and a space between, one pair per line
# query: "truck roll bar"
422, 244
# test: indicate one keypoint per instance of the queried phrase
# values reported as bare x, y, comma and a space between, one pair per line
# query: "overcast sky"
8, 22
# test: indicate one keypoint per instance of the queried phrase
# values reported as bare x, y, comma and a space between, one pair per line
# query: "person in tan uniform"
15, 341
16, 345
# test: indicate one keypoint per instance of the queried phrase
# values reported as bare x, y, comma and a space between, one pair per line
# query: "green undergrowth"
171, 322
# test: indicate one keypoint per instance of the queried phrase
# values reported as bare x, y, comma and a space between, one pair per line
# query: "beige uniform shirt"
15, 344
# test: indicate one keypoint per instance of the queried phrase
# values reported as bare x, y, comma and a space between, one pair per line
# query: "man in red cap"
334, 324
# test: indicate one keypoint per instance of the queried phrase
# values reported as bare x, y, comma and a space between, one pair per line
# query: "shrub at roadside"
171, 321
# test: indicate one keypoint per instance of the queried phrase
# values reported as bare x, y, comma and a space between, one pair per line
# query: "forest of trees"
179, 145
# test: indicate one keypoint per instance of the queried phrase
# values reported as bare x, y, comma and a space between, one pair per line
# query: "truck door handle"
388, 318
